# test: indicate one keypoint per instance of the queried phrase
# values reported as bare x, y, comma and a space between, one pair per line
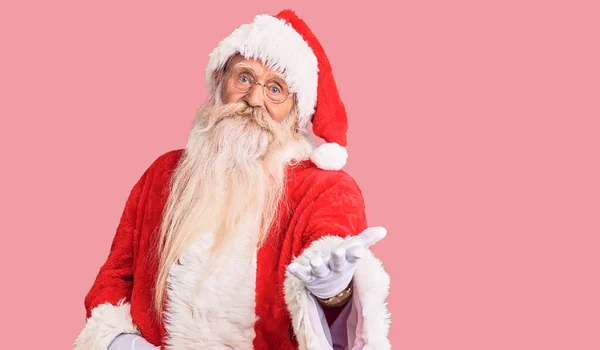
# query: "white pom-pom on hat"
330, 156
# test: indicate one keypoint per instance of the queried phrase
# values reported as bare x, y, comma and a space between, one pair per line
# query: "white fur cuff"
104, 325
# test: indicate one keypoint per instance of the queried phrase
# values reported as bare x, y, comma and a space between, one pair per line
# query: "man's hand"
328, 275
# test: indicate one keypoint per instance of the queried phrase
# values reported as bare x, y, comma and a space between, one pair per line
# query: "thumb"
372, 235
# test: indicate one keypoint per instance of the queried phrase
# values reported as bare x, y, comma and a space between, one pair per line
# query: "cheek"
282, 111
229, 96
279, 116
226, 96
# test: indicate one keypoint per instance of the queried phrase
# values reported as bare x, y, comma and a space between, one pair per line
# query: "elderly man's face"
243, 72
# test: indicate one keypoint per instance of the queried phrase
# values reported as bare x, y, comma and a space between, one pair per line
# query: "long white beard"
233, 170
224, 193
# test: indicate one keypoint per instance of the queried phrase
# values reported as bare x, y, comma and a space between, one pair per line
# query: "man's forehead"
257, 66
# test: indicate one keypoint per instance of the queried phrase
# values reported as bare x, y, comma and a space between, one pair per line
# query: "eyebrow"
247, 66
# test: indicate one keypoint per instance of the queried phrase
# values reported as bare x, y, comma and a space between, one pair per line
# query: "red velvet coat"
321, 204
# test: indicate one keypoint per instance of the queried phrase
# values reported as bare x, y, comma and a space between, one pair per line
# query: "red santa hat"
286, 44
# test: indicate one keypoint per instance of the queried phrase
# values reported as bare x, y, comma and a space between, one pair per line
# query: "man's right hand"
127, 341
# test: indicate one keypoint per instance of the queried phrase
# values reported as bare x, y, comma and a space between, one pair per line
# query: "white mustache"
241, 112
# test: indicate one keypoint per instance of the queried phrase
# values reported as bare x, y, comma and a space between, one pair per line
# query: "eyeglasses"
243, 80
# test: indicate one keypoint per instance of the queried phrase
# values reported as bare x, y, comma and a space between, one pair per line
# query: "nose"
255, 96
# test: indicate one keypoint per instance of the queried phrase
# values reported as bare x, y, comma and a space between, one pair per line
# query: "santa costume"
273, 309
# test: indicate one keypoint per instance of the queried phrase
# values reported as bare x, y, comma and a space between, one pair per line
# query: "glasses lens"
242, 80
276, 92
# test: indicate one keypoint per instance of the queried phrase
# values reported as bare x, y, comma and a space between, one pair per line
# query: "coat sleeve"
107, 302
337, 212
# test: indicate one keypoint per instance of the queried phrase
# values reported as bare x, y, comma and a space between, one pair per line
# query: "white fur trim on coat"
211, 304
371, 287
330, 156
104, 325
281, 48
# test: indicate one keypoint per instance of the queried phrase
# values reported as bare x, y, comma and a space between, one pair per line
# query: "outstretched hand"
328, 275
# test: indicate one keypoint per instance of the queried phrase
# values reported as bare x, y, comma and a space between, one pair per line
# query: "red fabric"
318, 203
332, 313
329, 121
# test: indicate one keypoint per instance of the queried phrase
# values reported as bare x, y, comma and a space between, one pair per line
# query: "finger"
338, 259
319, 268
355, 253
303, 273
371, 236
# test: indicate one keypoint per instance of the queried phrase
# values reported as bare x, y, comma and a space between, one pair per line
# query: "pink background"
474, 133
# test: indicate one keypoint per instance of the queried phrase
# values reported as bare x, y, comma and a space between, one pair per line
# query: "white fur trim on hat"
330, 156
281, 48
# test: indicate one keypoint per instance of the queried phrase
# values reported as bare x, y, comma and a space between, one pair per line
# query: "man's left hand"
328, 275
